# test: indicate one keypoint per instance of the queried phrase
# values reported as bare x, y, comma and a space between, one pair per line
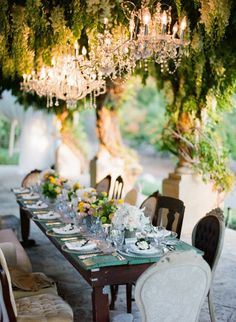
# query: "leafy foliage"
31, 32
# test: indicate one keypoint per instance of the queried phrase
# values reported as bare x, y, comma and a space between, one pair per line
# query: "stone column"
199, 197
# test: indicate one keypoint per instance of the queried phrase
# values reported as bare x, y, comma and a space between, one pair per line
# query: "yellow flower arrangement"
52, 185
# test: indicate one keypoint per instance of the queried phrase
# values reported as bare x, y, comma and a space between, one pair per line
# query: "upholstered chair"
165, 211
26, 283
208, 236
172, 289
38, 308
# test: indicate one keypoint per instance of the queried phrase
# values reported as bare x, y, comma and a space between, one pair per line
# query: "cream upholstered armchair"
173, 289
37, 308
25, 283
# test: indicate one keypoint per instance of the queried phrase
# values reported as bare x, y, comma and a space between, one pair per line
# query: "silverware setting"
69, 238
53, 223
99, 253
85, 243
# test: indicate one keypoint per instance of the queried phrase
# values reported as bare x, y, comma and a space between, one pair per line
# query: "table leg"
100, 305
25, 229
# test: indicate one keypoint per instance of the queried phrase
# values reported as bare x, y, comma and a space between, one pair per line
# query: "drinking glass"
117, 237
158, 236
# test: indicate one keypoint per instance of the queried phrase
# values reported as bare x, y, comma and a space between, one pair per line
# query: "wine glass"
158, 236
117, 237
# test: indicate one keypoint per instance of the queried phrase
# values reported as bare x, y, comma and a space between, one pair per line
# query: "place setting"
36, 205
46, 216
63, 230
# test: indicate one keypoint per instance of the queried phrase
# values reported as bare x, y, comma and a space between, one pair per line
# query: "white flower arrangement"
129, 217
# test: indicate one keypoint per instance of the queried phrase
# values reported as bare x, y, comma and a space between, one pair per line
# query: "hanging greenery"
201, 89
33, 31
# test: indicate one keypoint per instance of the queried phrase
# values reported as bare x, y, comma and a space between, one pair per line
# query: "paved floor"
224, 283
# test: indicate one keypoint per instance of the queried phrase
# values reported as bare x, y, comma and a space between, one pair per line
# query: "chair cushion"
48, 290
43, 308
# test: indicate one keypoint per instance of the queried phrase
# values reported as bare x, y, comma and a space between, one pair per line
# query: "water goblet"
117, 237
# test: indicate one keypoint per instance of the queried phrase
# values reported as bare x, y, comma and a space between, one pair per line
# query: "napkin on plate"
31, 196
49, 215
151, 251
21, 190
160, 234
68, 229
77, 245
38, 205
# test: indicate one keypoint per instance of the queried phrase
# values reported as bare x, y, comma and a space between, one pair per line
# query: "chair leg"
211, 306
114, 292
129, 297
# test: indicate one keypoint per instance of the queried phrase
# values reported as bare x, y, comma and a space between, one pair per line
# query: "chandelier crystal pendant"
154, 36
110, 56
69, 78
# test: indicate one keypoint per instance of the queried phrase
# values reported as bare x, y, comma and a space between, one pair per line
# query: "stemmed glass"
117, 237
158, 236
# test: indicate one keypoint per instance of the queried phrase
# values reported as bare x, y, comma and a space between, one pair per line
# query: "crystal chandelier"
70, 78
154, 36
110, 56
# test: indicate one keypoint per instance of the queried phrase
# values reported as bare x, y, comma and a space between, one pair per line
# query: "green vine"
197, 94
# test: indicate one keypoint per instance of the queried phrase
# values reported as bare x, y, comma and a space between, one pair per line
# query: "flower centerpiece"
129, 218
99, 206
73, 190
52, 184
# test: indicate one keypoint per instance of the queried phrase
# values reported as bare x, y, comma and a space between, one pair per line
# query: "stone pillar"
198, 197
104, 163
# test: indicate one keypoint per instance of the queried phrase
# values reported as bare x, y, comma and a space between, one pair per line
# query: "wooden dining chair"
150, 205
132, 196
44, 307
208, 236
165, 211
169, 214
118, 188
104, 185
31, 178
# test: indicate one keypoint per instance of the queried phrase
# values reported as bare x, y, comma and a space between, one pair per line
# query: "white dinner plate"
151, 251
31, 196
76, 246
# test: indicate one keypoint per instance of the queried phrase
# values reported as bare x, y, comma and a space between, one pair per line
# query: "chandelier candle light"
70, 78
152, 36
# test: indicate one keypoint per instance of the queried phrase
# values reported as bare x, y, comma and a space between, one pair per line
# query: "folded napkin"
160, 234
78, 245
38, 205
49, 215
151, 251
31, 196
68, 229
21, 190
29, 281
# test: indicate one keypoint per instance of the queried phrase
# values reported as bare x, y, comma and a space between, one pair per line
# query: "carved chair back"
150, 205
104, 185
118, 188
31, 178
169, 214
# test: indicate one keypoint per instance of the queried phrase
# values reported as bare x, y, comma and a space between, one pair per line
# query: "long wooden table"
98, 276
